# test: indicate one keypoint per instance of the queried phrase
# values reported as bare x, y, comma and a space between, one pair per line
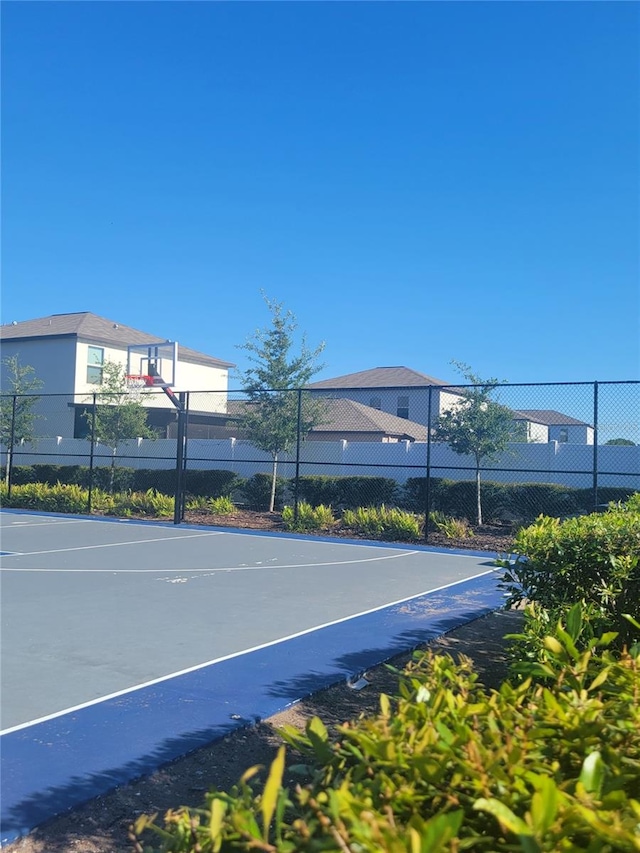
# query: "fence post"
427, 505
297, 479
595, 447
12, 441
91, 455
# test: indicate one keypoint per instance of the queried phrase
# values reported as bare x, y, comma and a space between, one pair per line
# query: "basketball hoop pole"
179, 400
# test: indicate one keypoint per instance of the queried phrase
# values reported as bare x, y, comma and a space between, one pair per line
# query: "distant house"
544, 425
67, 352
339, 420
398, 391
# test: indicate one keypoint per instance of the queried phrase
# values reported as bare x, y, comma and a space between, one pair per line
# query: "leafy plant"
477, 426
384, 522
222, 505
453, 528
309, 517
277, 410
17, 406
592, 559
448, 766
117, 414
151, 503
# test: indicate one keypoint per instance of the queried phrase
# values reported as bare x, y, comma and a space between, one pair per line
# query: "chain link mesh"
572, 448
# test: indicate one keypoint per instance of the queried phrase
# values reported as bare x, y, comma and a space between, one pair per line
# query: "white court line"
212, 569
22, 524
231, 656
110, 545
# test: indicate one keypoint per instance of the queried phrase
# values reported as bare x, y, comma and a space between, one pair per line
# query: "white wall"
568, 464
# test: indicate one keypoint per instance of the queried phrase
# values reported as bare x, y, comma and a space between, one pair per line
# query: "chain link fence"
572, 447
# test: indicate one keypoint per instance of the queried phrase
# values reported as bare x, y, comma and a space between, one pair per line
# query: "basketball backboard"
157, 361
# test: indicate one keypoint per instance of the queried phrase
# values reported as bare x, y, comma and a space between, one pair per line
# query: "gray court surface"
94, 607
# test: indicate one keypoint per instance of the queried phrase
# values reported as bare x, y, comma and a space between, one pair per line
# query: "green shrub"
221, 505
347, 492
123, 478
47, 498
453, 528
593, 559
161, 479
309, 517
448, 766
257, 491
526, 501
213, 484
149, 503
382, 522
21, 474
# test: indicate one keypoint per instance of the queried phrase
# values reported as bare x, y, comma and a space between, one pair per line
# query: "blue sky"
417, 182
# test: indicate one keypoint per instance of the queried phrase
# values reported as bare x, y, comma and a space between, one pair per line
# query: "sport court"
126, 644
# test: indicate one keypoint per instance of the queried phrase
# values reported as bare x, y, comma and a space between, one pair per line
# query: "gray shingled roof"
342, 415
90, 327
347, 416
548, 417
379, 377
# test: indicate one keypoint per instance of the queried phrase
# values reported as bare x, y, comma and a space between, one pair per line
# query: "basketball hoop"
137, 381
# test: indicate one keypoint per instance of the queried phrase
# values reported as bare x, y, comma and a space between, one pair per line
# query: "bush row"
70, 497
593, 559
522, 502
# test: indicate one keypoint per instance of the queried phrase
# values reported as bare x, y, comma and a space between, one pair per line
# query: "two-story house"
67, 353
399, 391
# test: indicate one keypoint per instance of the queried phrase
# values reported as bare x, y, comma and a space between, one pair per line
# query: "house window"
375, 403
563, 435
95, 360
403, 407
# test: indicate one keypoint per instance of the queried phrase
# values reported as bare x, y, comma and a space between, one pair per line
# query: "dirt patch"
101, 825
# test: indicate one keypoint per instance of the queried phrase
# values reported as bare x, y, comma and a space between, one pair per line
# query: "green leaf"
271, 791
592, 773
503, 815
544, 804
574, 621
218, 809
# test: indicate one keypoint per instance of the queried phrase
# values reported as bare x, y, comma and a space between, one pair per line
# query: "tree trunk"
478, 500
272, 499
8, 468
112, 472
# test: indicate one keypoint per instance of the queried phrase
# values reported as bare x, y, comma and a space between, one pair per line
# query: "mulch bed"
496, 538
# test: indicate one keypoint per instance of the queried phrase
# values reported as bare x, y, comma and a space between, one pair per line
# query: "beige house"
67, 352
398, 391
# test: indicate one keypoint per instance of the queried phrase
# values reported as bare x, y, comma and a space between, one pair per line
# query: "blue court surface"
128, 644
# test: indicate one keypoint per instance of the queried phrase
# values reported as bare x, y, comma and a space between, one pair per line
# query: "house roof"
90, 327
548, 417
347, 416
379, 377
342, 415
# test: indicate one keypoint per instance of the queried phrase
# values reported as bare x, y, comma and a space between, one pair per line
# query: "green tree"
477, 426
272, 385
119, 414
626, 442
17, 404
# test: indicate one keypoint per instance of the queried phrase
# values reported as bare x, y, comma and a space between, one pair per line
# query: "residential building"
398, 391
544, 425
68, 351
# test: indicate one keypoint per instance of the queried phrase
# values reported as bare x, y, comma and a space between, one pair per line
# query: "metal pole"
595, 447
297, 480
91, 454
177, 500
12, 441
427, 505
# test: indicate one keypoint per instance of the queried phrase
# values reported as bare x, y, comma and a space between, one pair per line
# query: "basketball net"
136, 382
